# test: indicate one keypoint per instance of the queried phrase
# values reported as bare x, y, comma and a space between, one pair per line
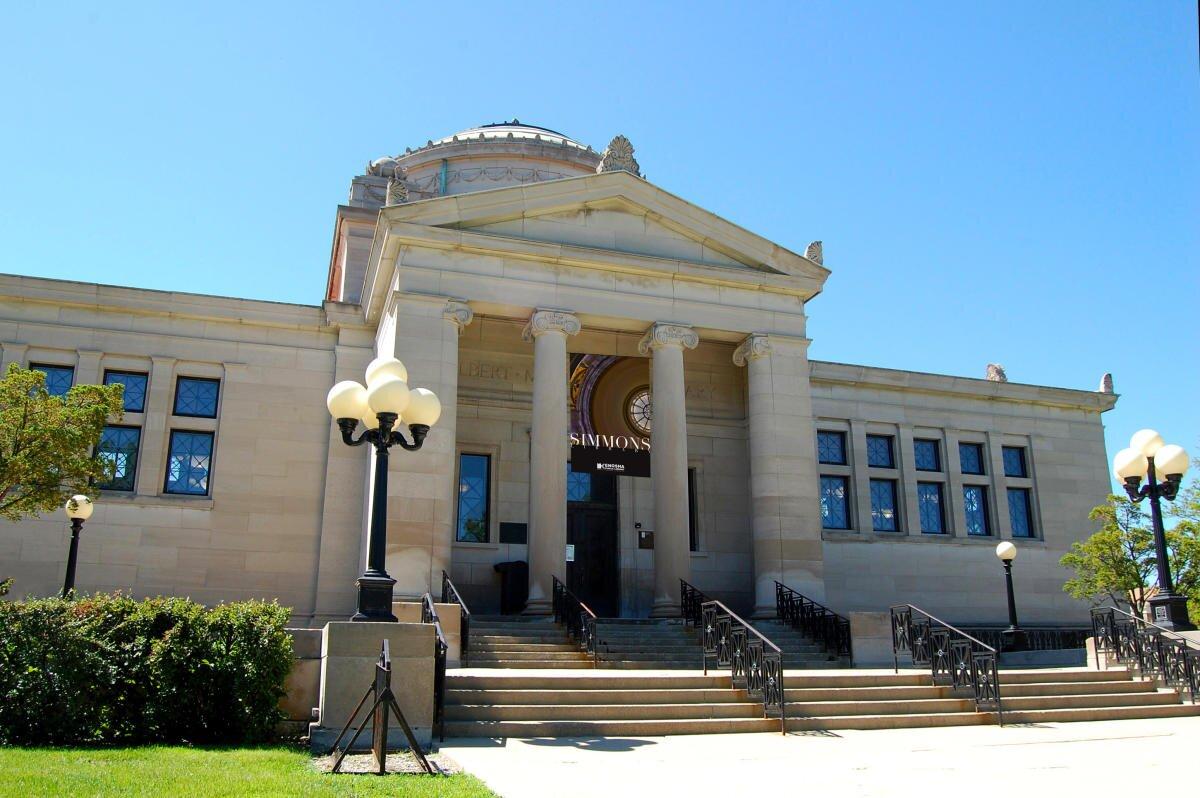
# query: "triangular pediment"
614, 212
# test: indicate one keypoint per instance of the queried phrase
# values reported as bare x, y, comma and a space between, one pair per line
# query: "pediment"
614, 212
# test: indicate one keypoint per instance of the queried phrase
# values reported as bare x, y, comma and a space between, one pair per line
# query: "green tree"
1119, 562
47, 442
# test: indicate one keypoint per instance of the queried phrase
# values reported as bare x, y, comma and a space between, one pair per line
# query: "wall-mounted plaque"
645, 538
513, 533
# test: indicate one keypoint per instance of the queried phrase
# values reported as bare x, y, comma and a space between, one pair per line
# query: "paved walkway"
1028, 761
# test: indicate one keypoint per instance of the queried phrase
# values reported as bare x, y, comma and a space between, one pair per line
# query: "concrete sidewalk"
1062, 759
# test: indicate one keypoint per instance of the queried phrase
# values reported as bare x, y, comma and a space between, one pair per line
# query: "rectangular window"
1020, 512
197, 397
58, 378
474, 497
926, 455
879, 451
976, 508
929, 504
135, 388
835, 510
883, 505
579, 485
970, 456
119, 446
1014, 462
831, 448
189, 463
693, 526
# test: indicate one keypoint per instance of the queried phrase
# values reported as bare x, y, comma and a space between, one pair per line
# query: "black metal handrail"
1044, 638
450, 594
1157, 652
953, 656
429, 615
814, 620
577, 617
690, 603
755, 663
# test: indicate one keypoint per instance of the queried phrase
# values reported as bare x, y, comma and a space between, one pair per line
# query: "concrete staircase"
614, 702
515, 641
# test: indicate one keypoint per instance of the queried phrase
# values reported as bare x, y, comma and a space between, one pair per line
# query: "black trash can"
514, 586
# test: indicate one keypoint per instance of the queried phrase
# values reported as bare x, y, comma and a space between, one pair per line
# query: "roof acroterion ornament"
618, 156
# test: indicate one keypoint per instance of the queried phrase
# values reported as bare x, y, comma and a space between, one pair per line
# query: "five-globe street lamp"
380, 406
79, 509
1162, 466
1012, 638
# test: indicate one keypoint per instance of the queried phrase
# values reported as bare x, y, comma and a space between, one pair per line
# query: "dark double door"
592, 530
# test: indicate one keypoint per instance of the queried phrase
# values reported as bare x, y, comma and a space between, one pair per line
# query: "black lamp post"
1147, 458
79, 509
1012, 638
379, 406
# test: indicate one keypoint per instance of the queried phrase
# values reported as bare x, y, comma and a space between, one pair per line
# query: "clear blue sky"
1007, 182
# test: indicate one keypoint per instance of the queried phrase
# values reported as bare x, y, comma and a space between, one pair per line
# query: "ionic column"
784, 504
668, 462
549, 450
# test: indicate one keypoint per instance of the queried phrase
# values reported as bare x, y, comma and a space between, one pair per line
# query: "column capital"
546, 320
753, 347
458, 313
662, 334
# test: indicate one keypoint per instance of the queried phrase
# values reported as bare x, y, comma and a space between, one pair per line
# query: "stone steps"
606, 703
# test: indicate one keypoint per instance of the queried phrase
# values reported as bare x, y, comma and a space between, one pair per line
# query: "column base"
1170, 612
538, 607
666, 608
374, 598
1012, 640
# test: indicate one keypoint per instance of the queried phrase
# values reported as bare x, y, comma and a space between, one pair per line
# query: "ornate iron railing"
429, 615
450, 595
578, 618
755, 663
1157, 653
689, 604
1045, 638
815, 621
953, 656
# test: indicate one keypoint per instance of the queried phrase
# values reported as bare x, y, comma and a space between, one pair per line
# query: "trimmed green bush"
108, 669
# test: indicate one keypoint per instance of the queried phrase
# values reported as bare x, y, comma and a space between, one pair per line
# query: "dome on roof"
491, 156
511, 130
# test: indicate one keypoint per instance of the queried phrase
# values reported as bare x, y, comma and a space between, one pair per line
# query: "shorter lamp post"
1163, 467
1012, 638
79, 509
379, 406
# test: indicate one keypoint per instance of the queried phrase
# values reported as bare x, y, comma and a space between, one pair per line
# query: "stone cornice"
663, 334
152, 302
549, 320
439, 223
876, 378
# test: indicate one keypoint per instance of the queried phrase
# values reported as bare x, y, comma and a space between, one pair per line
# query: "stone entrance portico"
592, 259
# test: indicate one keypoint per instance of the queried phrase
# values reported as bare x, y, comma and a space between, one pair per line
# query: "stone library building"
628, 400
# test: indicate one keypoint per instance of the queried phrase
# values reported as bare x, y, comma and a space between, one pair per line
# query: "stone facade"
499, 258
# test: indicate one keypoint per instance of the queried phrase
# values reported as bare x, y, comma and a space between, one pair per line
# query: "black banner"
624, 462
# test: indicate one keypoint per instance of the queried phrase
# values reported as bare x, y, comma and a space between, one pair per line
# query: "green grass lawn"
199, 772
